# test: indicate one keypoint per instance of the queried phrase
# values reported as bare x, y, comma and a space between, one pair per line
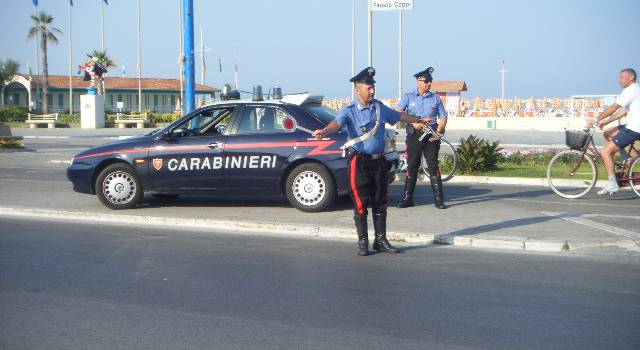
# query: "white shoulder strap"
366, 135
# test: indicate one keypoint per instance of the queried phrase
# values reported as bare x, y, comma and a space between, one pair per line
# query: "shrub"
14, 114
163, 118
11, 144
69, 118
476, 155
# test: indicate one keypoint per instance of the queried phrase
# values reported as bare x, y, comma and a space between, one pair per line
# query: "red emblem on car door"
157, 163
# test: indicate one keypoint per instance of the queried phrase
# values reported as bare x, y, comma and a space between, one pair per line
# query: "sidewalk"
480, 216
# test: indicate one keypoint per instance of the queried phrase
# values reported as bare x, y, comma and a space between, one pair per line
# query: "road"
73, 286
35, 178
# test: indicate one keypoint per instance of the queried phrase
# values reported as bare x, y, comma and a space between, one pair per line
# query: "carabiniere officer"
424, 103
364, 120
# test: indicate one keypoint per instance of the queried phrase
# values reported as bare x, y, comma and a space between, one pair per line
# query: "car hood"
130, 143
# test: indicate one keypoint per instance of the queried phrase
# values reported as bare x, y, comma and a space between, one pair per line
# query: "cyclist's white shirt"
629, 99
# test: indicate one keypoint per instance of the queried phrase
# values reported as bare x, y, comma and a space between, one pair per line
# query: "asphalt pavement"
78, 286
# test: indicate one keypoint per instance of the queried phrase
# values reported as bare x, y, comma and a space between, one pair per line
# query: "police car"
233, 147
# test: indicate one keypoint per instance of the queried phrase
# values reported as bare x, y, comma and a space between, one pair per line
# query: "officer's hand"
426, 120
317, 134
418, 126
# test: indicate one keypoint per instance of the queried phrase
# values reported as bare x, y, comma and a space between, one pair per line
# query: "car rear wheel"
118, 187
310, 188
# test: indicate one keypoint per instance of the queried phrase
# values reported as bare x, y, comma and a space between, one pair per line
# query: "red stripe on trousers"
354, 188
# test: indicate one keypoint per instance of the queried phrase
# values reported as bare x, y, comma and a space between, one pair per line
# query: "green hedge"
69, 118
13, 114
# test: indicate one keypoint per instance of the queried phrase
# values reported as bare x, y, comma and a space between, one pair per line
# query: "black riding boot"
409, 187
438, 195
380, 243
363, 237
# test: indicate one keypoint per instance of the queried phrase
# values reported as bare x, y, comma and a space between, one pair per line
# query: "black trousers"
368, 180
416, 149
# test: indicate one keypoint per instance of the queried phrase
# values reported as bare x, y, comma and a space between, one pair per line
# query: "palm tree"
41, 27
104, 61
8, 69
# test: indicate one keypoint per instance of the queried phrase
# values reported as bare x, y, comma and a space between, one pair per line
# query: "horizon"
281, 46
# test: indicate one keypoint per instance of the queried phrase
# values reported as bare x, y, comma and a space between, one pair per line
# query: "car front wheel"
118, 187
310, 188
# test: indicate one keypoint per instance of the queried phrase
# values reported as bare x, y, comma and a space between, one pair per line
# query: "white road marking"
57, 161
46, 137
580, 219
569, 203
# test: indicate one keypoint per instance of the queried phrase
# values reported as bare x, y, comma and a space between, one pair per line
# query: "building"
450, 93
158, 95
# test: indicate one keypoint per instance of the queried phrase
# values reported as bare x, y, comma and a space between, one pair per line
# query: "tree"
104, 60
42, 28
8, 69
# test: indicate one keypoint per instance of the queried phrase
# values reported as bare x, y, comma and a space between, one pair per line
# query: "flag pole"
353, 44
139, 64
181, 60
35, 103
70, 61
399, 55
102, 15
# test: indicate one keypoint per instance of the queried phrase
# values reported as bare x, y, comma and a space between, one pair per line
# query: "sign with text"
389, 5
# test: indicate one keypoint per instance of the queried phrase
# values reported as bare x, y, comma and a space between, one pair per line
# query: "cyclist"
620, 137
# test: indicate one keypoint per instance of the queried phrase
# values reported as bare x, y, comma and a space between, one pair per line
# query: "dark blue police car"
237, 147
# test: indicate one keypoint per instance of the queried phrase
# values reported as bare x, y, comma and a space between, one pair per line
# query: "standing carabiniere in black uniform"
364, 120
427, 104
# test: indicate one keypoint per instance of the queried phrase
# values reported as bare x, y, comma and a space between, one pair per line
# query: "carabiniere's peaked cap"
425, 74
365, 76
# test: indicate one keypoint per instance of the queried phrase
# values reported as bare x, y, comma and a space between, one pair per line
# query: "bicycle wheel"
447, 161
571, 176
634, 175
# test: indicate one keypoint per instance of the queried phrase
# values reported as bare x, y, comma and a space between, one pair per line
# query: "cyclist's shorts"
625, 137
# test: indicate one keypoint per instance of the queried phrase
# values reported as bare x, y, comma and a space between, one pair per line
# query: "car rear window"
324, 113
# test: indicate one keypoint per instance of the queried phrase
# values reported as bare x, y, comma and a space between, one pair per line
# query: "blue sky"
551, 48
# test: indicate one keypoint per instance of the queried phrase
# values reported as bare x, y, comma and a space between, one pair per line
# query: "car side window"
210, 122
261, 120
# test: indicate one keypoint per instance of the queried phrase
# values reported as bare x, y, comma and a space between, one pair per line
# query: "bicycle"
447, 158
574, 172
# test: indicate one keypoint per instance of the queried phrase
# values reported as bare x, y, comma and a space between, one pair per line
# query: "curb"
241, 227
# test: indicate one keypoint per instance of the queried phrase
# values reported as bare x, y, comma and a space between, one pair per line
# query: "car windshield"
324, 113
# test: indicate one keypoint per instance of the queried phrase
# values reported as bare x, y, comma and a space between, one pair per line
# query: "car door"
188, 158
257, 149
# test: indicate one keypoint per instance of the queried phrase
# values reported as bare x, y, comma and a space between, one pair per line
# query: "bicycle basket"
576, 139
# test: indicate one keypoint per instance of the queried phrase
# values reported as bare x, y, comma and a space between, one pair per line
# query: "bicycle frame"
591, 149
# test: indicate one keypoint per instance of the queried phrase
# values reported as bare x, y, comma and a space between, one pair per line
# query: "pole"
139, 63
502, 71
353, 44
102, 13
235, 69
399, 55
202, 68
370, 27
188, 50
70, 64
181, 61
35, 103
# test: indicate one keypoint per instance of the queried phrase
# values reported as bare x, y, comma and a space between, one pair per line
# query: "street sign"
389, 5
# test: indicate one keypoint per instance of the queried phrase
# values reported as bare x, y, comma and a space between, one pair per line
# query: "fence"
577, 106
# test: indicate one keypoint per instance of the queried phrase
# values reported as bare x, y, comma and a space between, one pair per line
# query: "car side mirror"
166, 135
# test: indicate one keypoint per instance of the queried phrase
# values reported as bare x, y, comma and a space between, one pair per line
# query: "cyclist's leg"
622, 139
609, 134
